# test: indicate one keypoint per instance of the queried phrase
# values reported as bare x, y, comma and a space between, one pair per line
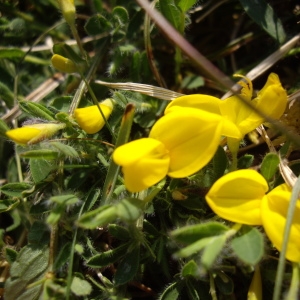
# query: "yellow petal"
191, 137
90, 119
209, 104
23, 135
274, 209
203, 102
144, 163
237, 197
272, 98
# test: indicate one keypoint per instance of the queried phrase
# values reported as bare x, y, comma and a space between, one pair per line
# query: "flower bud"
68, 10
63, 64
34, 133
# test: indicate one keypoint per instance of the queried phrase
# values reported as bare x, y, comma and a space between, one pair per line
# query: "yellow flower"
237, 196
90, 118
34, 133
240, 197
179, 144
239, 118
274, 210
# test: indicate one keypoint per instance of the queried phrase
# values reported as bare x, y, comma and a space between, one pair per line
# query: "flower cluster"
241, 196
185, 139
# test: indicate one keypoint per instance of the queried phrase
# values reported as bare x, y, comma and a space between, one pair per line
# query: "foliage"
78, 82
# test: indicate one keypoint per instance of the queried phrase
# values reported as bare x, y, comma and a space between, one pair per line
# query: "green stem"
233, 145
212, 289
287, 229
113, 170
293, 291
83, 84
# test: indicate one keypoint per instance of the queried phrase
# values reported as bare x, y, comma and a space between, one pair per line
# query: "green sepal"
40, 154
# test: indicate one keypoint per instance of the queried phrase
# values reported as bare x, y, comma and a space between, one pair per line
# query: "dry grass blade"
145, 89
37, 95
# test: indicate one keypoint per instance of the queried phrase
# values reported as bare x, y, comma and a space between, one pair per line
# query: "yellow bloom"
240, 197
34, 133
90, 118
63, 64
179, 144
237, 197
274, 209
144, 162
239, 118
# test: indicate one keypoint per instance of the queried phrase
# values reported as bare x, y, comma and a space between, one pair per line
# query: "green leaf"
65, 149
119, 232
65, 199
173, 14
129, 210
63, 256
108, 257
39, 168
36, 110
8, 204
39, 233
269, 166
190, 269
98, 217
97, 24
192, 82
263, 14
6, 94
15, 189
29, 266
128, 267
120, 14
80, 287
194, 247
193, 233
212, 250
172, 292
62, 103
10, 255
220, 162
185, 5
245, 161
249, 245
3, 128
